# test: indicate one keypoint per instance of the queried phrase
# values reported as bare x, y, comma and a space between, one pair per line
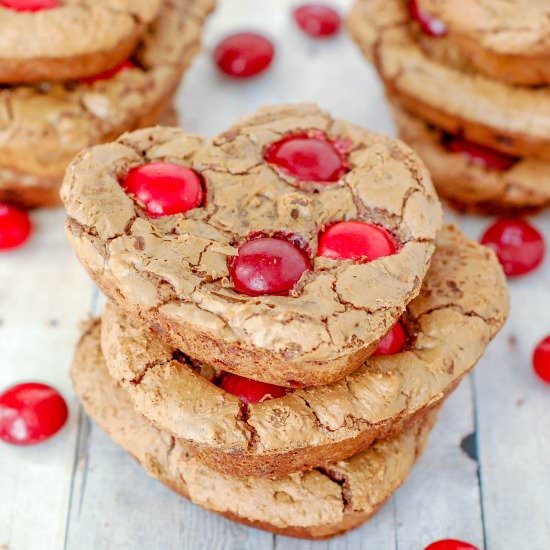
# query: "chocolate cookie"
316, 504
70, 39
507, 118
462, 305
257, 269
473, 178
43, 127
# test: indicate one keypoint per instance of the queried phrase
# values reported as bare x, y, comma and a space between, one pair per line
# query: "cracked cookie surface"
462, 304
316, 504
507, 118
43, 127
173, 271
79, 38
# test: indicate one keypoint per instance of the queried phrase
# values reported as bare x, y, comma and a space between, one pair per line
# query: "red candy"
393, 342
541, 360
30, 5
268, 265
164, 188
31, 413
356, 241
479, 154
15, 226
519, 246
318, 20
307, 158
244, 55
250, 391
110, 73
451, 544
429, 24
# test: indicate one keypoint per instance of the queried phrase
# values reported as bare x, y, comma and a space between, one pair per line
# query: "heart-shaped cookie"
282, 250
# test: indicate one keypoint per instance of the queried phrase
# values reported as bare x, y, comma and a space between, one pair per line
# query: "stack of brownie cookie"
469, 83
286, 313
75, 74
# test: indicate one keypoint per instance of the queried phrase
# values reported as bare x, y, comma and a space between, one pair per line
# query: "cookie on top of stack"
287, 312
469, 84
76, 74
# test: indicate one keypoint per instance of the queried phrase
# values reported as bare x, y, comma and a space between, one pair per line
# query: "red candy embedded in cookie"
541, 360
268, 265
31, 413
250, 391
110, 73
356, 241
308, 158
479, 154
244, 54
164, 188
15, 227
519, 246
30, 5
430, 25
318, 20
393, 342
451, 544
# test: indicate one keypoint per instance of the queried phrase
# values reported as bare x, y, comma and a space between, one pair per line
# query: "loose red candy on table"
164, 188
451, 544
479, 154
307, 158
520, 248
250, 391
30, 5
430, 25
356, 241
243, 55
318, 20
110, 73
394, 342
268, 265
541, 360
31, 413
15, 226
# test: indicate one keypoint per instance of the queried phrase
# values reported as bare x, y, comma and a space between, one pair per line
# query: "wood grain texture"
81, 492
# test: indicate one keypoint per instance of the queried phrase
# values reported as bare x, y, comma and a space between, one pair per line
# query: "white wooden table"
79, 491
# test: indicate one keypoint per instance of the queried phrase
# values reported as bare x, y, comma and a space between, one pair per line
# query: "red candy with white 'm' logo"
451, 544
541, 360
479, 154
394, 342
308, 158
164, 188
430, 25
356, 240
110, 73
244, 55
519, 247
250, 391
268, 265
30, 5
15, 227
318, 20
31, 413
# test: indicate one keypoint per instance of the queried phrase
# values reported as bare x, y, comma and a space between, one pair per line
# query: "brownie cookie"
316, 504
507, 40
509, 119
475, 178
69, 39
258, 270
43, 127
462, 305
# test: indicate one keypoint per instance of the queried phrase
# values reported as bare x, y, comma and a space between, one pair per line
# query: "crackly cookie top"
179, 265
73, 28
317, 498
43, 127
463, 303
